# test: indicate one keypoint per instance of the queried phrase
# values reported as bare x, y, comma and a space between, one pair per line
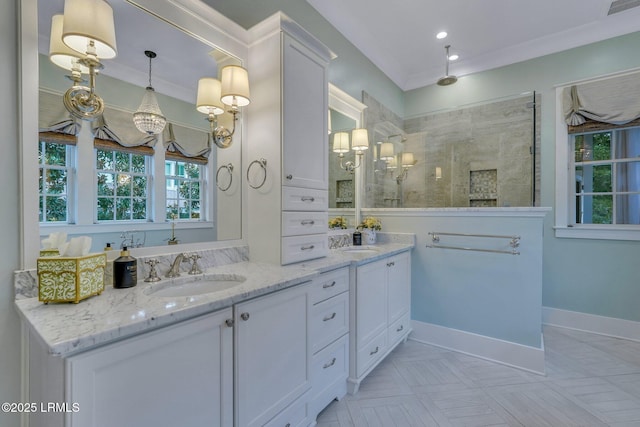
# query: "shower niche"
483, 188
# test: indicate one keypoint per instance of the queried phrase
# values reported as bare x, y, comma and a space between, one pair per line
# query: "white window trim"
562, 227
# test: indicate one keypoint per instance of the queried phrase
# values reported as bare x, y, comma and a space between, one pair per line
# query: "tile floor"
591, 381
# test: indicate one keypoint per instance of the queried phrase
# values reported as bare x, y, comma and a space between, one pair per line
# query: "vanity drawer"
329, 284
329, 321
399, 329
304, 199
302, 248
371, 352
329, 372
298, 223
294, 415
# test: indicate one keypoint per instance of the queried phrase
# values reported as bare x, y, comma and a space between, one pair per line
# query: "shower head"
447, 79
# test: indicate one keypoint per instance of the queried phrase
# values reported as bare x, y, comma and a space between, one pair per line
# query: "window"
123, 185
607, 177
184, 195
598, 159
55, 165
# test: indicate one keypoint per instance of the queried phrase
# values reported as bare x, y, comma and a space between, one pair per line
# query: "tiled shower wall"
494, 136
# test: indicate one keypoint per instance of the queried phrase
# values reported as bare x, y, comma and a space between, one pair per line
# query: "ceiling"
400, 40
399, 37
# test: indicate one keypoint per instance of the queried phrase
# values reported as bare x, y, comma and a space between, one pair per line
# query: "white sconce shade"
360, 140
235, 86
208, 98
386, 151
87, 21
408, 160
438, 172
341, 142
59, 53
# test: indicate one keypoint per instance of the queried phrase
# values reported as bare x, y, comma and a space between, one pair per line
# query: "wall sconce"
407, 161
386, 151
233, 91
148, 118
360, 144
87, 29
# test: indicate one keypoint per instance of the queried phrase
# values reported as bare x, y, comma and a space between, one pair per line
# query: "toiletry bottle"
357, 238
107, 247
125, 270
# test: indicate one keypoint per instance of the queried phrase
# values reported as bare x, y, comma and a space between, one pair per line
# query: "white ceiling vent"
622, 5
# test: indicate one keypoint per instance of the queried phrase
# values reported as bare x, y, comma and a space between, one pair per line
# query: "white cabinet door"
371, 301
399, 285
175, 376
305, 104
272, 354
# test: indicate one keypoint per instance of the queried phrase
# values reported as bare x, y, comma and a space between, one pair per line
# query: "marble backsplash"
26, 281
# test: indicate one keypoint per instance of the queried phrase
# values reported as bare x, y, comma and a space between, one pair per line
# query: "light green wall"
590, 276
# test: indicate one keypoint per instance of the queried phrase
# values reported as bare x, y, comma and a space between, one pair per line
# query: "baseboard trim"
519, 356
601, 325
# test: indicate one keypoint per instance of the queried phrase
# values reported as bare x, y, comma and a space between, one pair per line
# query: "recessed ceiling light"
441, 35
453, 57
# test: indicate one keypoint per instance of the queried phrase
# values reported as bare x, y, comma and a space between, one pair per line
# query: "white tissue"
54, 240
77, 246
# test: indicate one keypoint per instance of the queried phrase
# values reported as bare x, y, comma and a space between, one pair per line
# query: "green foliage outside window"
122, 184
52, 182
183, 190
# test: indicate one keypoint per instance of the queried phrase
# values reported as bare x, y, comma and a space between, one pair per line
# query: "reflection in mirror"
480, 155
345, 114
108, 180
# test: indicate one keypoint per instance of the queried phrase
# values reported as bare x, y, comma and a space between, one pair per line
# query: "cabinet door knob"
374, 351
327, 285
330, 364
229, 322
244, 316
400, 328
289, 177
391, 264
326, 319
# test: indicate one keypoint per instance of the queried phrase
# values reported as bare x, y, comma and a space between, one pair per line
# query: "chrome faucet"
174, 271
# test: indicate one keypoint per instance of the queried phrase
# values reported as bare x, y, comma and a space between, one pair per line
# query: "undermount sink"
196, 286
360, 249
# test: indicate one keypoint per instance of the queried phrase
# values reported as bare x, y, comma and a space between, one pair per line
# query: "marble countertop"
66, 329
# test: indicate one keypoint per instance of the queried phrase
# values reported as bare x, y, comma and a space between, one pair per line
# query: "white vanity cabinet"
287, 127
272, 352
329, 338
380, 313
178, 375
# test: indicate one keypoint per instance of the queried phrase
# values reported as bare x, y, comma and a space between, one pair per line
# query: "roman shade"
114, 130
186, 144
54, 121
603, 104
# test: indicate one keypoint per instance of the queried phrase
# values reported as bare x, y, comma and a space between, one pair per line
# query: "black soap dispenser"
357, 238
125, 270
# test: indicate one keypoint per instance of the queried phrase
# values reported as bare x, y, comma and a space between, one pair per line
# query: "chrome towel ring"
229, 168
263, 165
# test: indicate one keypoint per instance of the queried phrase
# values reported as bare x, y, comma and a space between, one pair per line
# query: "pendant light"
148, 118
447, 79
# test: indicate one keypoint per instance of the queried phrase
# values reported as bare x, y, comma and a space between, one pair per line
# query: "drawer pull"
308, 199
244, 316
307, 248
391, 264
333, 316
327, 286
330, 364
287, 425
307, 222
229, 323
374, 351
289, 177
400, 329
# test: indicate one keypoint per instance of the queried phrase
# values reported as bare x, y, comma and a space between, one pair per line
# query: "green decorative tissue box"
70, 279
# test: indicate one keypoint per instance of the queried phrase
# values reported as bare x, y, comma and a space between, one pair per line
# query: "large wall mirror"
345, 114
191, 194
